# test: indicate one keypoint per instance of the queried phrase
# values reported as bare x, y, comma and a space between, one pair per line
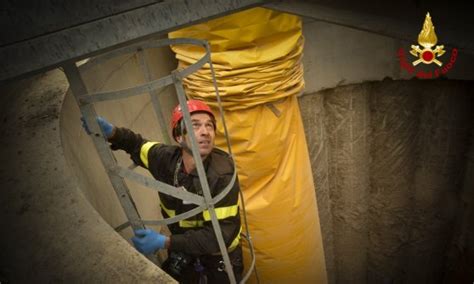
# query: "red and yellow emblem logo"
427, 51
427, 39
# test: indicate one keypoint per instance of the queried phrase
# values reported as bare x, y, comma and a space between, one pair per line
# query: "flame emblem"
427, 39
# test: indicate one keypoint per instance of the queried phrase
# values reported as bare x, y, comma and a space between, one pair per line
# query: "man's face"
203, 127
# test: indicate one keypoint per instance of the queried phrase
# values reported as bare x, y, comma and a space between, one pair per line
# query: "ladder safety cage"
117, 173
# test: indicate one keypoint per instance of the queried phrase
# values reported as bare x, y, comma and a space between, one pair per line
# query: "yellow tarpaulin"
257, 59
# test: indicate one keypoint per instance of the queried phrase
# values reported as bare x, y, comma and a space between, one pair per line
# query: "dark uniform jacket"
195, 235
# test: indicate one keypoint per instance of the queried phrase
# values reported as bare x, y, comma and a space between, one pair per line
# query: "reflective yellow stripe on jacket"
221, 212
144, 152
171, 213
183, 223
236, 241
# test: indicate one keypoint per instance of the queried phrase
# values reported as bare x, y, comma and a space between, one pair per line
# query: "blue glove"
147, 241
106, 127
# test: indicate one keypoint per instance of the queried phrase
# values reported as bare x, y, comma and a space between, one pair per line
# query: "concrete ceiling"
401, 19
41, 35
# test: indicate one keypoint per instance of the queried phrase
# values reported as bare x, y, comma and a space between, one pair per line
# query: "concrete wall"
389, 162
136, 113
59, 206
50, 231
336, 55
388, 158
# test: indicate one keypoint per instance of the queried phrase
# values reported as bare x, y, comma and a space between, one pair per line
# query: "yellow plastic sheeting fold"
270, 150
242, 39
261, 65
275, 176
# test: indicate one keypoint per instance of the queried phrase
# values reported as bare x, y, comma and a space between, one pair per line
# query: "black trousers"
206, 269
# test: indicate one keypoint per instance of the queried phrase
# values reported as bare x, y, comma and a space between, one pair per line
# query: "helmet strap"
185, 147
183, 143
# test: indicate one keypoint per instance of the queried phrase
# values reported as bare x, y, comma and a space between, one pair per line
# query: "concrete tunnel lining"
392, 163
54, 234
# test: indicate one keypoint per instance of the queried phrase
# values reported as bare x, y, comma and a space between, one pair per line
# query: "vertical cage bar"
202, 176
108, 160
154, 95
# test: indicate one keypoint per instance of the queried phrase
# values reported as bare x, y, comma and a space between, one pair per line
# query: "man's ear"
179, 139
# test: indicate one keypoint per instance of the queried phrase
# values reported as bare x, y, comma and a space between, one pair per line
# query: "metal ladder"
117, 173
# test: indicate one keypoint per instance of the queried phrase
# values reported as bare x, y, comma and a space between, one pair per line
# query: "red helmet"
193, 106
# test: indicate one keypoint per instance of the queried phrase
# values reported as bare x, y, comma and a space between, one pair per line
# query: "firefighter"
193, 251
